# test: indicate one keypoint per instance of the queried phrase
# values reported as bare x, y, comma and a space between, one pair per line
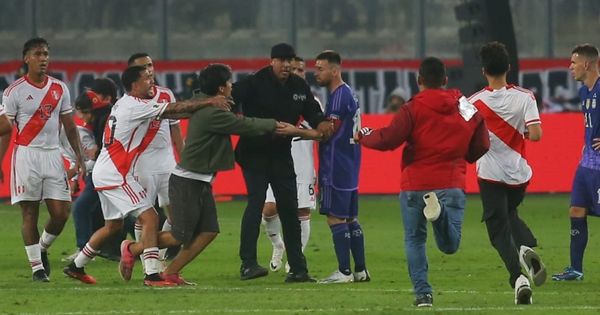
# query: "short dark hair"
135, 56
33, 43
131, 75
433, 72
299, 59
105, 86
331, 57
586, 50
212, 77
494, 58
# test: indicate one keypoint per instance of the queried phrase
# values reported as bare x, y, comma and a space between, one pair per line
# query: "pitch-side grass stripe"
526, 308
254, 289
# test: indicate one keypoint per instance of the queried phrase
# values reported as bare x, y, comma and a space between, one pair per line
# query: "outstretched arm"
390, 137
287, 129
184, 109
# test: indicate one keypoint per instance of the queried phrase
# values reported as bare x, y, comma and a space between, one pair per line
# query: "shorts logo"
299, 97
20, 189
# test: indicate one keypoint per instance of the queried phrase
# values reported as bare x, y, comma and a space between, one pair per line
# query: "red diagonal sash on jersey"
154, 126
503, 130
120, 157
41, 116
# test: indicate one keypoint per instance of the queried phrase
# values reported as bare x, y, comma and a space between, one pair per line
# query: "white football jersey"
126, 129
36, 111
507, 113
157, 156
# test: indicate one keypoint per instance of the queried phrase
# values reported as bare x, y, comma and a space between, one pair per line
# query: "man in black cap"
274, 92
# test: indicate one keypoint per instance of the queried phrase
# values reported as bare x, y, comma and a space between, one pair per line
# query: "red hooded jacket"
439, 141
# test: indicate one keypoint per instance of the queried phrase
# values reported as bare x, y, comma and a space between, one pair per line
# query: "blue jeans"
447, 230
86, 213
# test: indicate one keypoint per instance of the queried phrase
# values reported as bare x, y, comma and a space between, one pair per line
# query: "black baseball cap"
283, 51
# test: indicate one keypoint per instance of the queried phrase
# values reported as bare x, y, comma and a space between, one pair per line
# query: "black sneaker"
40, 276
252, 272
299, 277
46, 262
424, 300
73, 272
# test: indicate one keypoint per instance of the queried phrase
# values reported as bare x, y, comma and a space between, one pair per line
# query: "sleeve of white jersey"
9, 106
150, 110
65, 102
2, 111
532, 116
173, 100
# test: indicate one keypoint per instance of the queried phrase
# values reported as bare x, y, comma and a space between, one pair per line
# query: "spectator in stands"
397, 98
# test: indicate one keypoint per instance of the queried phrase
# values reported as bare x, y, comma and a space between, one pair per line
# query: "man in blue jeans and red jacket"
442, 132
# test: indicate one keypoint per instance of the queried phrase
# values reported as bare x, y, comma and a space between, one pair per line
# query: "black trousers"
507, 232
285, 191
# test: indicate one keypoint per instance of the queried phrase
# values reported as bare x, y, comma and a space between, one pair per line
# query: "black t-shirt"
262, 95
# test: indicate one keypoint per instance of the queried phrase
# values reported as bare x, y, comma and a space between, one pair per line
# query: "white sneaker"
277, 258
522, 291
337, 277
533, 265
287, 267
362, 276
432, 208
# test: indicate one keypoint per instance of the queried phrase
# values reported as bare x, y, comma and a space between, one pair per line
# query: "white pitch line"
524, 308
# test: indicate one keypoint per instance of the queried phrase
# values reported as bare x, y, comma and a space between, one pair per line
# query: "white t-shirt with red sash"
36, 110
507, 113
126, 129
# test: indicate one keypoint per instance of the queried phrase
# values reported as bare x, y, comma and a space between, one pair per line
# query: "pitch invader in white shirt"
157, 159
38, 104
120, 194
304, 167
511, 115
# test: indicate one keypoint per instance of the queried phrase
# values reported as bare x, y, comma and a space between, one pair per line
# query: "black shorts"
193, 208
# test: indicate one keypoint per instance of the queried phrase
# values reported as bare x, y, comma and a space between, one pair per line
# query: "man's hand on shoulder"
221, 102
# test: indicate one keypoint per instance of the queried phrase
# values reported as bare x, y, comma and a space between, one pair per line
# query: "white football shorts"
306, 196
157, 186
119, 202
38, 174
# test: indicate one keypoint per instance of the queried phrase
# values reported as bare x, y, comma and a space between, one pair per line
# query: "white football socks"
46, 240
34, 254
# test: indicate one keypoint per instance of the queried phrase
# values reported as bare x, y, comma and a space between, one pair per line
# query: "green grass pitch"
472, 281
